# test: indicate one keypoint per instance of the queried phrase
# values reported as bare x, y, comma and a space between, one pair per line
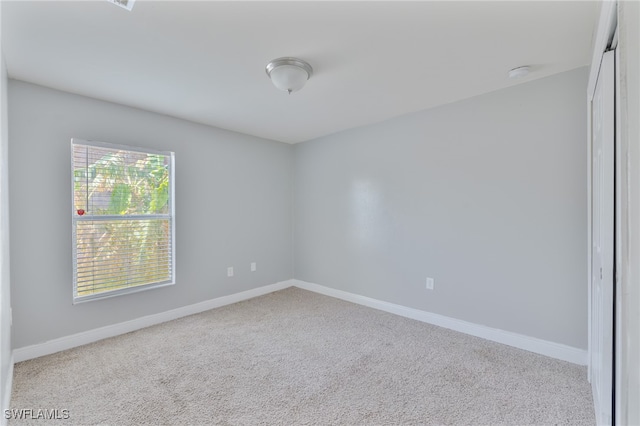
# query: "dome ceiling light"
519, 72
289, 74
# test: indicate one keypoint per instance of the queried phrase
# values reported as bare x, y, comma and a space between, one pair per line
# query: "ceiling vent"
125, 4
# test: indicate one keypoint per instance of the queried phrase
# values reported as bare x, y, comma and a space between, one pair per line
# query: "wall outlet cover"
430, 283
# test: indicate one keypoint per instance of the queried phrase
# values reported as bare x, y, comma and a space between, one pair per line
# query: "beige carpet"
295, 357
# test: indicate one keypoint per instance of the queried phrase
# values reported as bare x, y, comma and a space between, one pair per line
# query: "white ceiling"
204, 61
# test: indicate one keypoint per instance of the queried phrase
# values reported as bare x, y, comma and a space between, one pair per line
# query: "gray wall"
5, 296
233, 207
628, 381
486, 195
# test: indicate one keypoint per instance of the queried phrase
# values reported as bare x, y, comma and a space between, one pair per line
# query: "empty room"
319, 212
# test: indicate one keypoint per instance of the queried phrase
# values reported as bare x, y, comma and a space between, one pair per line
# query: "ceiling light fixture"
289, 74
519, 72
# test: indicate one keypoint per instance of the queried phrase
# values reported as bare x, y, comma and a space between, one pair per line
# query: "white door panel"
602, 306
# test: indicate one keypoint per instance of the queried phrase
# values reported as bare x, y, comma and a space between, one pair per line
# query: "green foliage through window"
122, 219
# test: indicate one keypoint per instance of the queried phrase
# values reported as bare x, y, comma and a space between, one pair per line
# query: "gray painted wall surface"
487, 196
5, 294
233, 207
628, 355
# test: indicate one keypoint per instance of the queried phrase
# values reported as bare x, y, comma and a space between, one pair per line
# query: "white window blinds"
123, 226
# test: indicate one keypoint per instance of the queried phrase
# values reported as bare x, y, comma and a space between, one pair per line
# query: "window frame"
75, 218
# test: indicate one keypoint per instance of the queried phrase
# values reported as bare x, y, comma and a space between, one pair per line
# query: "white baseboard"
531, 344
79, 339
6, 400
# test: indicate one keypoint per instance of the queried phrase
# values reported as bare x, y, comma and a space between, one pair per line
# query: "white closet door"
602, 306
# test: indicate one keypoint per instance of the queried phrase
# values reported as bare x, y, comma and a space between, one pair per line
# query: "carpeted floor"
296, 357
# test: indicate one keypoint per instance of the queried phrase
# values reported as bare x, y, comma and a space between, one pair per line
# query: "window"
123, 220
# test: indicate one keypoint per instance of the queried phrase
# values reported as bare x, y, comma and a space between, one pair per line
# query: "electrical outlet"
253, 266
230, 271
430, 283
